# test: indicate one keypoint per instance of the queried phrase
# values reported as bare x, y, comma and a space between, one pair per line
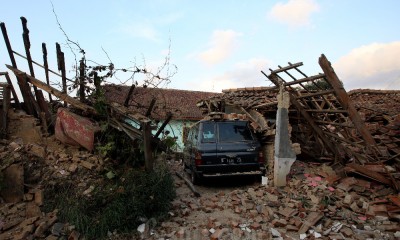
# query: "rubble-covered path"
316, 204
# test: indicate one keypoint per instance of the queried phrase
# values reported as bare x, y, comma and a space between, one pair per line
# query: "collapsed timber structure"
323, 120
134, 124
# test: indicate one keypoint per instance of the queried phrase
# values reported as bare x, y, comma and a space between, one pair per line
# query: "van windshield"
234, 132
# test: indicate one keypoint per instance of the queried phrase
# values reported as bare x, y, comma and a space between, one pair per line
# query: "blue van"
220, 148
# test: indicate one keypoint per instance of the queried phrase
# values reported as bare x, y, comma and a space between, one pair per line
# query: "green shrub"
119, 205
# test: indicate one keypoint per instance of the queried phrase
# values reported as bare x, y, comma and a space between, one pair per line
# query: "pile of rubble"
27, 170
317, 203
380, 111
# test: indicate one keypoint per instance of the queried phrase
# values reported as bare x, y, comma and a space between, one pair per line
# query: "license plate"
228, 160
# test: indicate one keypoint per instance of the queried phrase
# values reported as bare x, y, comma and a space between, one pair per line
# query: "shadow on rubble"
231, 182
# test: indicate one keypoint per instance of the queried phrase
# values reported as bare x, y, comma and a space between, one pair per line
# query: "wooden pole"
14, 94
5, 88
148, 153
190, 185
148, 113
128, 97
169, 117
8, 45
25, 95
46, 67
345, 101
61, 67
82, 80
39, 96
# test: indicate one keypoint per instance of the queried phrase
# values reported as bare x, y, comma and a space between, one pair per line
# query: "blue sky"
217, 44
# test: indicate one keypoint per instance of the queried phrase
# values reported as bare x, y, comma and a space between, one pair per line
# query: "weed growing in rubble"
115, 205
328, 200
119, 147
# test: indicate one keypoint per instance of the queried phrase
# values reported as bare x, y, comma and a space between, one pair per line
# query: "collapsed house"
179, 105
323, 119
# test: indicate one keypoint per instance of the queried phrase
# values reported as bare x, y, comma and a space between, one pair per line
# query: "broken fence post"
148, 153
46, 67
61, 67
82, 80
128, 97
27, 103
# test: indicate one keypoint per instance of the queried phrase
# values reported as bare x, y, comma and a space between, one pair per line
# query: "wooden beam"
39, 96
27, 101
169, 117
14, 94
148, 151
128, 97
334, 123
82, 80
55, 92
148, 113
326, 110
367, 173
307, 79
345, 101
318, 93
286, 68
8, 45
46, 67
6, 105
61, 67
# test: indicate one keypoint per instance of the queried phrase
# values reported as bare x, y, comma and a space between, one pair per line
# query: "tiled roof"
181, 103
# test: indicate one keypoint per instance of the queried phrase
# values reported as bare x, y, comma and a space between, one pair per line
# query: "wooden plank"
46, 67
5, 107
8, 45
14, 94
286, 68
319, 93
326, 110
61, 67
125, 112
148, 153
345, 101
27, 103
148, 113
55, 92
334, 123
39, 96
306, 79
82, 80
266, 104
368, 173
128, 97
169, 117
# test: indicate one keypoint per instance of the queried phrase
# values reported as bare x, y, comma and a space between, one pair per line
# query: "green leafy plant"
328, 200
119, 205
